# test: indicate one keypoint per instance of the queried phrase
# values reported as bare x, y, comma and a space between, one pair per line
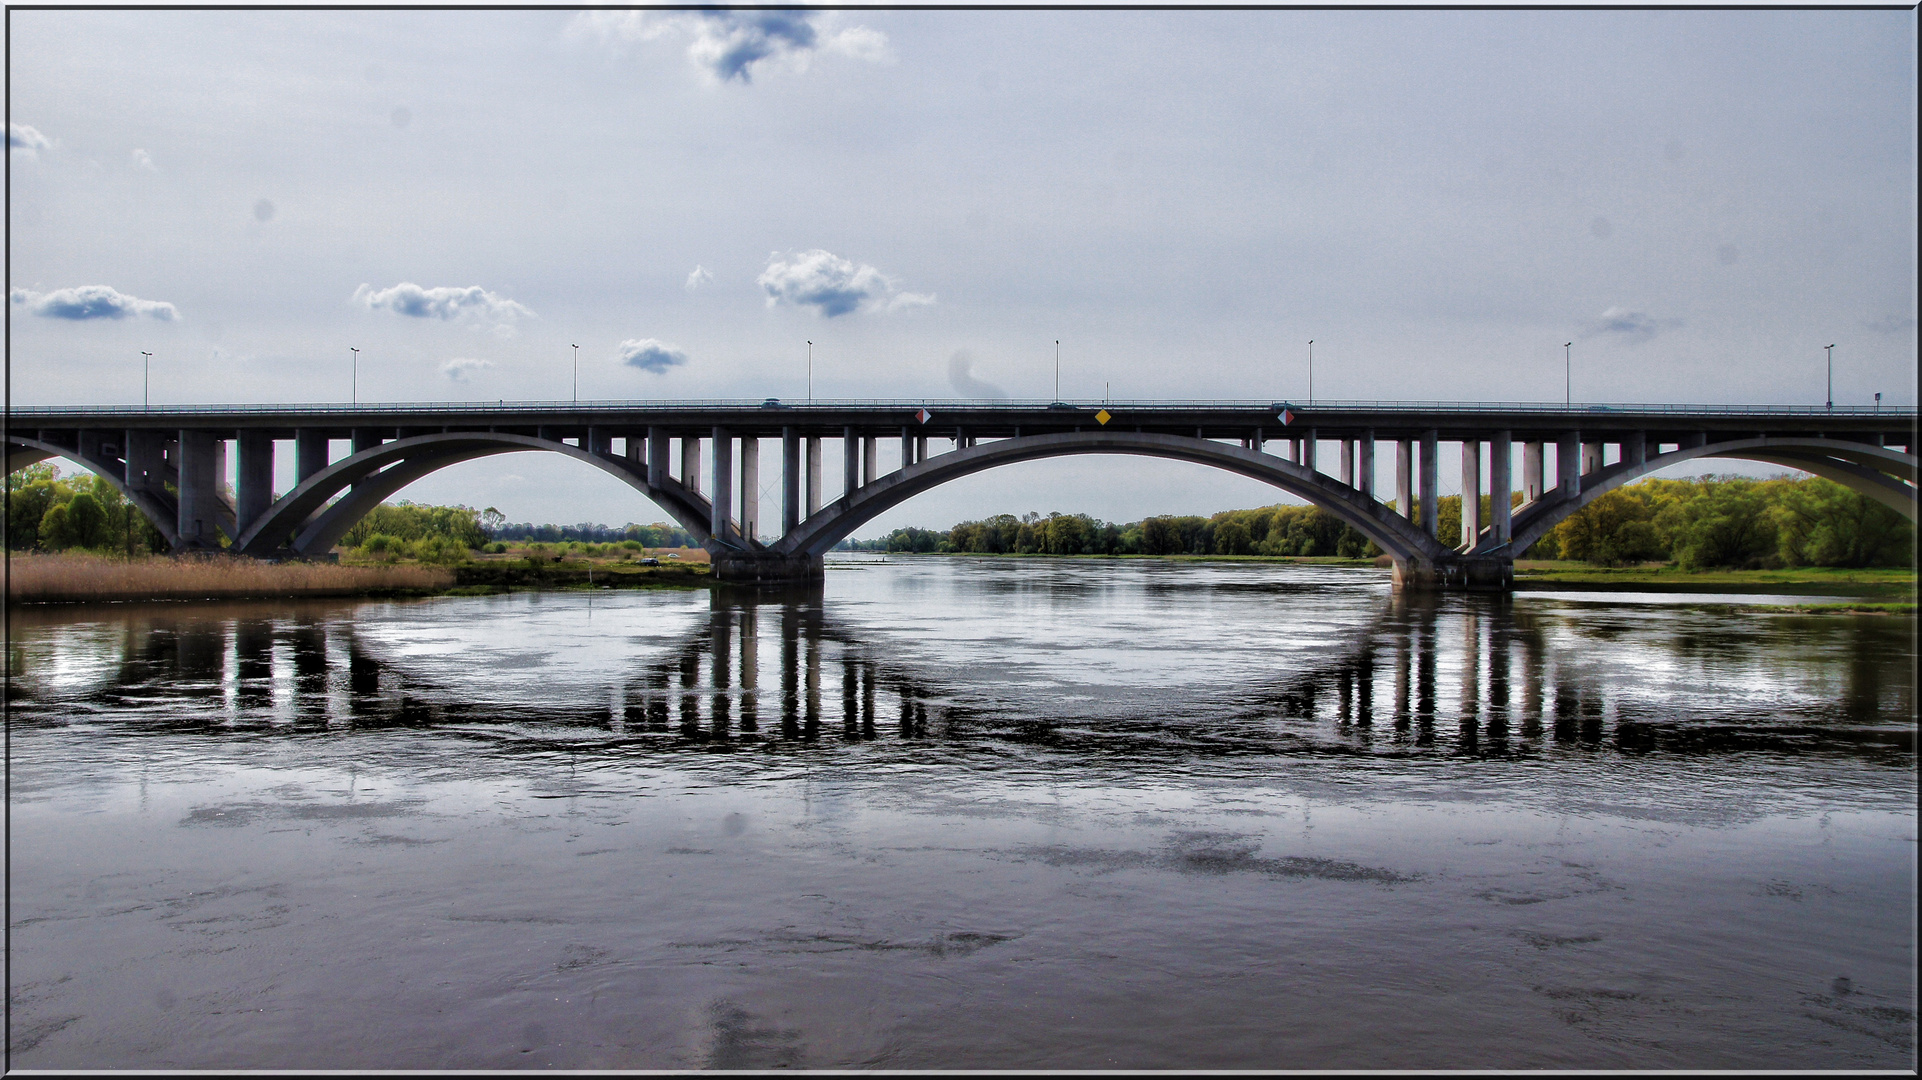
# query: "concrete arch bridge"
700, 461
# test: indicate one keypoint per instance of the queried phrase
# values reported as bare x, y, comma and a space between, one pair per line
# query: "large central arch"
1394, 534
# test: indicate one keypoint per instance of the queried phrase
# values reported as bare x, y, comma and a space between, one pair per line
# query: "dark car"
773, 403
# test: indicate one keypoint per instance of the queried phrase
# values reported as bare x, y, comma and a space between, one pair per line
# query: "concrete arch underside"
1887, 476
309, 520
1393, 533
22, 452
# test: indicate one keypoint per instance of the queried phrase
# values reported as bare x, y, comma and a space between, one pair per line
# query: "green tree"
1821, 523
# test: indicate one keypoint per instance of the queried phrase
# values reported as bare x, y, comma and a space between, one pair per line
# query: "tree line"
1700, 523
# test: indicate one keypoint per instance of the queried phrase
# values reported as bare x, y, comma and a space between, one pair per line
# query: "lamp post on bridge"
577, 373
1311, 371
146, 364
1568, 375
810, 372
1831, 351
1057, 369
353, 392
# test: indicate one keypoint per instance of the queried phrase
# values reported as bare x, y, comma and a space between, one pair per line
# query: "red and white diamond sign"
924, 416
1287, 417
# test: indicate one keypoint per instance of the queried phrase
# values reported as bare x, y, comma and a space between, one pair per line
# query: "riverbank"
1876, 585
83, 579
91, 579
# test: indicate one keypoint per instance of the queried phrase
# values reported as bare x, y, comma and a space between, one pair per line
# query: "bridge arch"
1394, 534
1887, 476
23, 451
304, 522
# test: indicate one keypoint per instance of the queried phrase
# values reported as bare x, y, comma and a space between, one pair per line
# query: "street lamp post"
146, 366
1057, 369
355, 385
810, 372
1311, 371
577, 373
1831, 352
1568, 375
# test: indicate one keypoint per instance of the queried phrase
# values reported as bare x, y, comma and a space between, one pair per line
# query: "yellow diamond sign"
1104, 416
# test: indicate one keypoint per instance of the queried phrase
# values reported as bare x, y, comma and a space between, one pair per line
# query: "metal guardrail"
991, 405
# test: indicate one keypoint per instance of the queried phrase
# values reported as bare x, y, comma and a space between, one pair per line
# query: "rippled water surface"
959, 813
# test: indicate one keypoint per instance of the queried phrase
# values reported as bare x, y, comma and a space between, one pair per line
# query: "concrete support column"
721, 510
254, 490
310, 453
1309, 445
1568, 464
635, 450
198, 522
364, 439
1471, 494
870, 459
1405, 478
1288, 451
750, 488
907, 447
1257, 443
1365, 463
599, 441
1533, 470
1635, 450
1348, 462
1500, 486
790, 479
1591, 457
1430, 479
146, 459
814, 475
691, 463
656, 457
850, 461
921, 448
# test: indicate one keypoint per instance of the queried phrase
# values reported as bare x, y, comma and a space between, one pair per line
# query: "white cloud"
143, 160
698, 277
737, 44
649, 354
1629, 325
832, 285
473, 304
25, 139
462, 368
84, 302
961, 377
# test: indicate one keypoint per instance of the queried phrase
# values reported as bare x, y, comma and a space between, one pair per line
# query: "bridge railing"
973, 404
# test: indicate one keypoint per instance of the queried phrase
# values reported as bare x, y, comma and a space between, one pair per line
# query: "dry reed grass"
74, 578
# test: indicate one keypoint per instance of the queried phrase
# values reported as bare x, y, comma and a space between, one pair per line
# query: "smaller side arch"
303, 522
1888, 476
22, 452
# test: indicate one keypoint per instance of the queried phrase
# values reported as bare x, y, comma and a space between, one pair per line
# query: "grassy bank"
1884, 585
75, 578
1306, 560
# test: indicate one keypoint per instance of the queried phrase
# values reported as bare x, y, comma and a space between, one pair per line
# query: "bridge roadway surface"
171, 461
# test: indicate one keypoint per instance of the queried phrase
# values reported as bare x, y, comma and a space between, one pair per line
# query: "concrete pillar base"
739, 567
1461, 573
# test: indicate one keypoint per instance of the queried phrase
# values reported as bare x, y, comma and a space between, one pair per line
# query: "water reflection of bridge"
1477, 675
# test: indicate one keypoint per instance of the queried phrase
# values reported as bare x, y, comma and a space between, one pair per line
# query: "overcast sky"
1698, 200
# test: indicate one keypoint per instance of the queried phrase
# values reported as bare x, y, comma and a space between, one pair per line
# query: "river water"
966, 813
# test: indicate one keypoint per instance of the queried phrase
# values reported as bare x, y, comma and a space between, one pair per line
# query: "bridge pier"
738, 566
1458, 573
